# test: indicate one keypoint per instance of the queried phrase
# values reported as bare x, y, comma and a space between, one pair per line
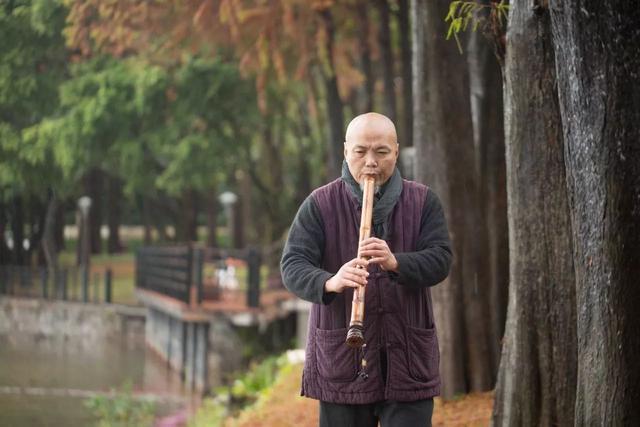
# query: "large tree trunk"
488, 124
335, 112
406, 130
386, 56
114, 207
598, 64
536, 382
447, 295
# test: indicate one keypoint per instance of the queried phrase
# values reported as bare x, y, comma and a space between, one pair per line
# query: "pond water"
45, 381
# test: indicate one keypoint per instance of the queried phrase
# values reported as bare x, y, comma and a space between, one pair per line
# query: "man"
394, 377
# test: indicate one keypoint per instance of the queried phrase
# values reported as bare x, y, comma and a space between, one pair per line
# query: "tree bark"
335, 112
114, 208
488, 124
598, 62
406, 133
536, 381
384, 40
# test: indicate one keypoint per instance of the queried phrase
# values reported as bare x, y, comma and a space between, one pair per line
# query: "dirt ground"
284, 407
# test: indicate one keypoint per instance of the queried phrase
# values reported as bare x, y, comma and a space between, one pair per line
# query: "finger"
356, 261
375, 254
351, 284
361, 262
375, 245
358, 273
378, 260
355, 278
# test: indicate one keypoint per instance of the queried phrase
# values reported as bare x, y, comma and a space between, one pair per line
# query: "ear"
345, 149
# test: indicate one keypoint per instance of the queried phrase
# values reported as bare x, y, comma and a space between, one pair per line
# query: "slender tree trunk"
17, 231
4, 249
598, 65
238, 225
406, 133
93, 185
303, 187
189, 220
335, 112
114, 207
536, 381
36, 219
367, 91
146, 220
49, 240
384, 40
488, 124
58, 230
211, 199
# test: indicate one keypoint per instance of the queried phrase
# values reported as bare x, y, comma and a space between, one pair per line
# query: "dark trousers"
390, 414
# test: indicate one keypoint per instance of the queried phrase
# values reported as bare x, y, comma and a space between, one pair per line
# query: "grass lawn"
123, 275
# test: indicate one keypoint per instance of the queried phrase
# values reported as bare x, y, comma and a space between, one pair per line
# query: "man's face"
371, 152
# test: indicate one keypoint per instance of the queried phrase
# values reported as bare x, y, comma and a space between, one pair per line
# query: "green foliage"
245, 390
122, 410
32, 65
464, 13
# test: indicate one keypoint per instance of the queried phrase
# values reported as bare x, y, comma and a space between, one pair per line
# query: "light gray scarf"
384, 201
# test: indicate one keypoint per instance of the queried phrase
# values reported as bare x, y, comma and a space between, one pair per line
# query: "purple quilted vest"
398, 319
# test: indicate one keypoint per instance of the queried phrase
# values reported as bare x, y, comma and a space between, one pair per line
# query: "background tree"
443, 136
33, 64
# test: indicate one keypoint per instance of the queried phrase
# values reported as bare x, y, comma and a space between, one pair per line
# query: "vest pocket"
423, 354
336, 361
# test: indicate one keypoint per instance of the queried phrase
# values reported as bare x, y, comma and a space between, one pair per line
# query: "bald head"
371, 147
371, 126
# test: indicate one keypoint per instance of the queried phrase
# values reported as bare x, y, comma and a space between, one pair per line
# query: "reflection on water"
41, 379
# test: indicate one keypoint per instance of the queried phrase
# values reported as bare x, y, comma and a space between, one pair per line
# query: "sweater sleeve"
430, 263
302, 256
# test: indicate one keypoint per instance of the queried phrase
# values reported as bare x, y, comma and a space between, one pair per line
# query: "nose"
370, 160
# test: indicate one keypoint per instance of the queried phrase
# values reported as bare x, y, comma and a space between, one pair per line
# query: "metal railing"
179, 272
70, 284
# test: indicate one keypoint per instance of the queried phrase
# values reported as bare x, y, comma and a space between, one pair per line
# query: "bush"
121, 410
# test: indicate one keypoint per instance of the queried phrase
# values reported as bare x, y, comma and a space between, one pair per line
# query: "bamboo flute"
355, 335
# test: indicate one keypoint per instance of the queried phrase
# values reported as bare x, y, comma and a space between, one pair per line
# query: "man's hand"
379, 253
349, 276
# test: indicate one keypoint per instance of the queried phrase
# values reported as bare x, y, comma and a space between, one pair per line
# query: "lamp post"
84, 204
228, 200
